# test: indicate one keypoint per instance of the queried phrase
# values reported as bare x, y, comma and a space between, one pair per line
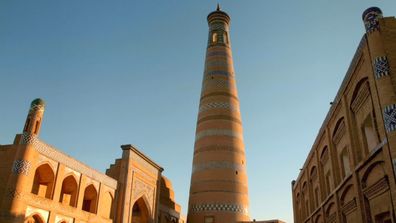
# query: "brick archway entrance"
140, 213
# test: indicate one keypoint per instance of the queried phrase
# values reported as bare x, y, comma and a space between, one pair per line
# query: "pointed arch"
106, 205
141, 211
90, 199
69, 191
376, 168
43, 182
362, 83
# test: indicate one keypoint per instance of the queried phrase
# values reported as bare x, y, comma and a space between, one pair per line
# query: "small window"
214, 37
209, 219
36, 128
26, 125
369, 133
345, 162
225, 37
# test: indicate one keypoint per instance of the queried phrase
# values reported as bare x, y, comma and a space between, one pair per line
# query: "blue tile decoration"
219, 207
381, 67
390, 118
371, 17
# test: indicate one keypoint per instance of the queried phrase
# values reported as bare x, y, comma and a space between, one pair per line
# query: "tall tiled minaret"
219, 185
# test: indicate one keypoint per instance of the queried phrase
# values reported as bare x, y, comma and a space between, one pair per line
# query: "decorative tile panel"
381, 67
217, 53
219, 208
140, 188
21, 167
390, 117
218, 72
217, 105
216, 84
37, 108
371, 17
217, 26
217, 132
217, 165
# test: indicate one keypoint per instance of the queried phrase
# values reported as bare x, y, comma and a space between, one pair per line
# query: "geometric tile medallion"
21, 167
390, 118
381, 67
219, 207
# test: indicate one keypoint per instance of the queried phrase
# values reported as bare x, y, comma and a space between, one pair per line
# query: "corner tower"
219, 185
34, 117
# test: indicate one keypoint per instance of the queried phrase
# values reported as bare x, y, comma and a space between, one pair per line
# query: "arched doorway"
140, 213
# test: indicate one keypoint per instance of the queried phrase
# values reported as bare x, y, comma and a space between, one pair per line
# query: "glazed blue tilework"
219, 207
371, 20
381, 67
390, 118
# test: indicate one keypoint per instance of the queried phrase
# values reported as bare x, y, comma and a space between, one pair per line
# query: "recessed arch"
324, 152
43, 181
337, 126
141, 211
357, 88
345, 192
378, 165
106, 205
313, 172
90, 199
69, 191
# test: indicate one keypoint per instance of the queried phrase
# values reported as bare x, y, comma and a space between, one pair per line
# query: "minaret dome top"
218, 15
37, 102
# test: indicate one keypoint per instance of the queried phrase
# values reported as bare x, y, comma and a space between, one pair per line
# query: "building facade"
40, 184
219, 186
349, 174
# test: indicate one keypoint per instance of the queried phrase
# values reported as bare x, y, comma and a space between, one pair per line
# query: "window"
369, 133
90, 198
209, 219
69, 191
36, 128
225, 37
344, 157
43, 181
316, 197
328, 182
26, 125
214, 37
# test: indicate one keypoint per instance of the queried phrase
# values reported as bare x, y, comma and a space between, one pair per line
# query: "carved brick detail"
349, 207
140, 188
377, 188
362, 95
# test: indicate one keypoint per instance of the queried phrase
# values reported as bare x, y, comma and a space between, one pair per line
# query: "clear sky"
129, 72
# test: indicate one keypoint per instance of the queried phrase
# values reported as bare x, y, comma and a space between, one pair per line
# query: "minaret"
34, 117
219, 185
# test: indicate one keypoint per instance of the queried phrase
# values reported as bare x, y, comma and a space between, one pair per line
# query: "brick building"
39, 183
349, 174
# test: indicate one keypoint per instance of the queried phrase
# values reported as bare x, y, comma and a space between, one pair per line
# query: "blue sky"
129, 72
